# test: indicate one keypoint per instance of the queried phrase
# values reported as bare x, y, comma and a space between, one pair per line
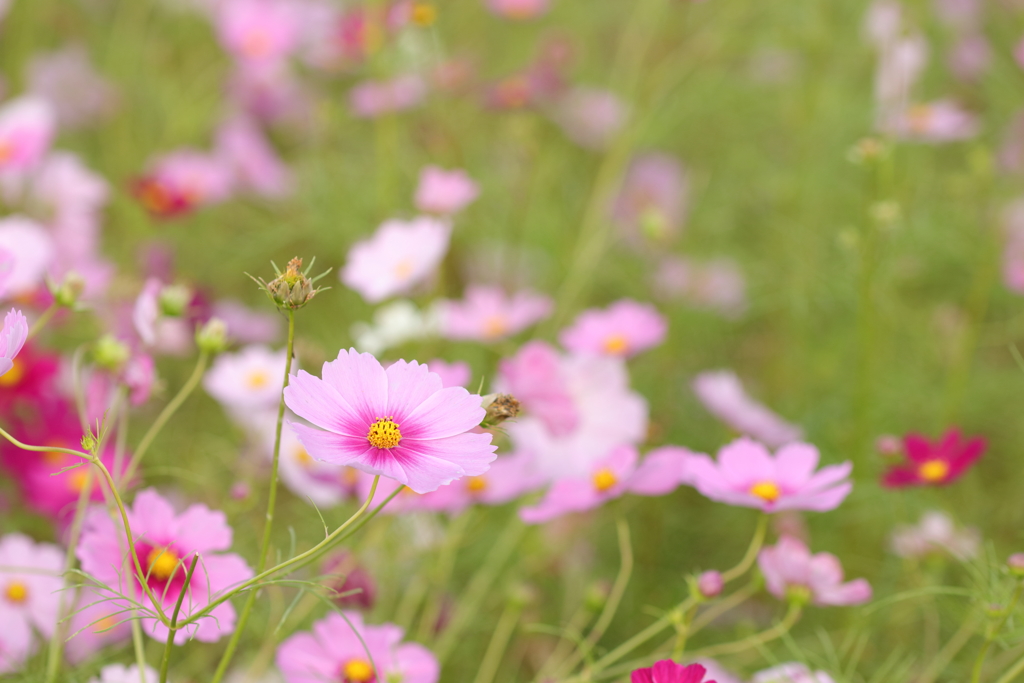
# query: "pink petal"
325, 446
409, 385
360, 379
794, 464
822, 501
203, 530
661, 472
315, 400
445, 413
565, 496
745, 461
430, 464
152, 517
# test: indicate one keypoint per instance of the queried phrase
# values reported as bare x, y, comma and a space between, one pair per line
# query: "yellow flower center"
12, 377
256, 379
104, 624
494, 327
77, 479
384, 433
303, 457
767, 491
475, 485
403, 269
424, 13
16, 591
604, 479
358, 671
934, 470
617, 344
161, 562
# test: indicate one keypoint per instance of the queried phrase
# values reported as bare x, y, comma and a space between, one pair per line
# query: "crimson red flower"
667, 671
935, 464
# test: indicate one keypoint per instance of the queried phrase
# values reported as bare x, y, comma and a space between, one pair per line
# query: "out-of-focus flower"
624, 329
94, 625
271, 93
935, 534
609, 478
667, 671
27, 126
247, 383
183, 181
652, 201
344, 575
246, 325
716, 284
746, 474
395, 324
370, 99
935, 464
338, 645
258, 31
12, 338
507, 479
962, 15
444, 192
119, 673
30, 578
488, 314
792, 573
970, 57
32, 249
792, 672
716, 672
455, 374
883, 22
31, 382
165, 543
722, 394
900, 65
939, 121
78, 94
399, 422
325, 484
254, 162
519, 9
400, 255
710, 584
590, 117
576, 409
1013, 229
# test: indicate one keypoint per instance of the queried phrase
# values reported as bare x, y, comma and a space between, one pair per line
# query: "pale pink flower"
746, 474
624, 329
325, 484
165, 543
30, 581
27, 126
938, 121
146, 311
6, 268
258, 31
119, 673
792, 672
488, 314
246, 325
609, 478
12, 338
400, 255
248, 382
507, 479
444, 192
883, 22
181, 181
591, 117
519, 9
139, 375
790, 570
95, 624
900, 66
370, 99
716, 672
961, 15
455, 374
1013, 246
271, 92
78, 94
345, 648
399, 422
576, 409
652, 200
716, 284
935, 534
33, 250
253, 160
970, 57
722, 394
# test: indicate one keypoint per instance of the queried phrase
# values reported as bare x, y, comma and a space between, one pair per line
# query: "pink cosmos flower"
519, 9
164, 543
791, 672
30, 578
246, 325
258, 31
94, 625
370, 99
576, 409
591, 117
33, 252
935, 464
444, 192
247, 383
400, 255
182, 181
609, 478
789, 570
31, 384
935, 534
746, 474
119, 673
939, 121
455, 374
623, 329
78, 94
12, 338
488, 314
253, 160
271, 93
722, 394
507, 479
667, 671
346, 575
652, 201
717, 284
900, 66
970, 57
356, 653
27, 126
399, 422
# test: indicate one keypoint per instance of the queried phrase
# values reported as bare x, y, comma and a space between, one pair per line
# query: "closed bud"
67, 293
89, 442
174, 300
710, 584
597, 596
293, 288
111, 353
499, 407
212, 336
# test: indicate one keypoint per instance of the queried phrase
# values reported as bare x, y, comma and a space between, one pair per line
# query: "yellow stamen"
161, 562
476, 485
12, 377
384, 433
77, 479
358, 671
494, 327
934, 471
424, 14
616, 344
604, 479
767, 491
257, 379
16, 591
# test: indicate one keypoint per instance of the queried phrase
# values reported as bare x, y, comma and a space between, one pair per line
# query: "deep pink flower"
370, 99
337, 651
934, 464
27, 126
255, 163
722, 394
488, 314
444, 192
790, 571
746, 474
165, 542
33, 250
182, 181
400, 255
258, 31
12, 338
399, 422
623, 329
667, 671
344, 574
519, 9
652, 201
31, 382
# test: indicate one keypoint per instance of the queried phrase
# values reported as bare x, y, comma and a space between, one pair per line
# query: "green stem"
44, 449
777, 631
42, 320
1011, 674
139, 648
445, 565
173, 629
499, 642
683, 629
752, 550
949, 650
993, 631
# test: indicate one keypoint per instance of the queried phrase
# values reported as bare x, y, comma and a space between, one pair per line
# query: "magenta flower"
934, 464
164, 543
722, 394
27, 126
667, 671
399, 422
254, 162
258, 31
370, 99
444, 192
182, 181
623, 329
791, 572
335, 651
33, 251
400, 255
746, 474
652, 201
488, 314
12, 338
519, 9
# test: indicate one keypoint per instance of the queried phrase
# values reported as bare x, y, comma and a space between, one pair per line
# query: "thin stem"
723, 606
642, 637
445, 564
44, 449
499, 642
268, 525
777, 631
949, 650
42, 320
755, 547
683, 634
993, 631
139, 648
173, 629
166, 414
1011, 674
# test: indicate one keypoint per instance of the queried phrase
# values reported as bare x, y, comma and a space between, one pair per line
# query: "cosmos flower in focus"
722, 394
746, 474
400, 255
444, 192
488, 314
12, 338
935, 534
792, 573
624, 329
325, 484
182, 181
934, 464
667, 671
399, 423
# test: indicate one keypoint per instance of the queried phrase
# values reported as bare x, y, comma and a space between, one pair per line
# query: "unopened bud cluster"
68, 291
499, 407
212, 337
293, 288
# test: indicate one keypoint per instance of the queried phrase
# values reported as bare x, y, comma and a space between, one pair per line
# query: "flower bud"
212, 336
597, 596
291, 289
67, 293
798, 595
88, 442
889, 446
1016, 564
174, 300
111, 353
710, 584
499, 407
